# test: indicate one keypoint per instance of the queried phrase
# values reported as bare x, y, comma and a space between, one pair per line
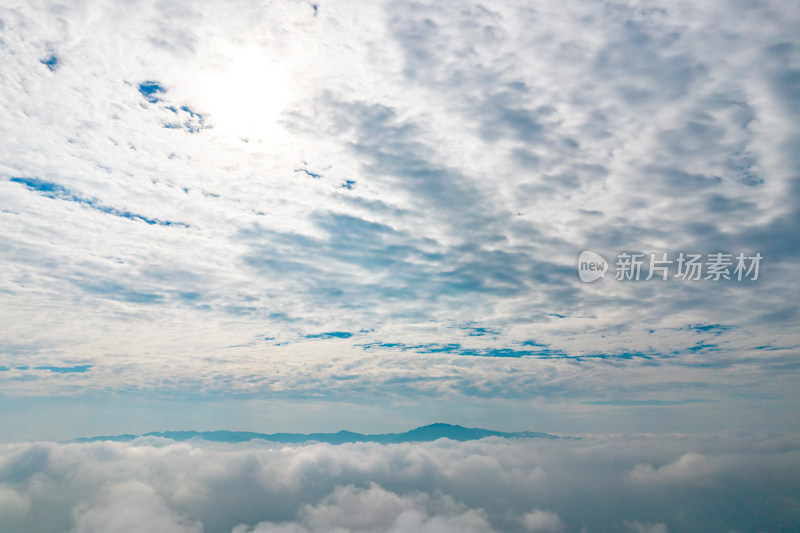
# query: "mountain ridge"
427, 433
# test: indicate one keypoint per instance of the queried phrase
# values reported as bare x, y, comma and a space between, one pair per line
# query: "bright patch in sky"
246, 96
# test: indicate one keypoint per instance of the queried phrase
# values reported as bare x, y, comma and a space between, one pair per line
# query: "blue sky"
226, 210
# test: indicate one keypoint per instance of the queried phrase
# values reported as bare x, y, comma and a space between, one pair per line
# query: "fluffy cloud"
129, 506
644, 527
376, 509
594, 484
542, 521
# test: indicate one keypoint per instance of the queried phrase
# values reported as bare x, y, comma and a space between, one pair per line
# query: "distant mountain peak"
431, 432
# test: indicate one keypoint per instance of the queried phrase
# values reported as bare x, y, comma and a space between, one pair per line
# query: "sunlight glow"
245, 99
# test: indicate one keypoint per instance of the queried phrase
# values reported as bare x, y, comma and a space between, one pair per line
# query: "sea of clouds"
628, 484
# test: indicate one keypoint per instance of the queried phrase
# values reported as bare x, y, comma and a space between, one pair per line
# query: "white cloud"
487, 485
13, 506
539, 521
635, 526
375, 509
691, 467
431, 170
130, 506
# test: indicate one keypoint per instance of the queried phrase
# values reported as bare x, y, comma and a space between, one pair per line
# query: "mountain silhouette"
421, 434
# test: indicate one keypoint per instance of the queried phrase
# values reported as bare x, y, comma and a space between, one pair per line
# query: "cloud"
130, 506
542, 521
690, 468
375, 509
430, 169
494, 484
644, 527
13, 506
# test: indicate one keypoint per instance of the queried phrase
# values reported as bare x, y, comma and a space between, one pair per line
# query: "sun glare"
246, 97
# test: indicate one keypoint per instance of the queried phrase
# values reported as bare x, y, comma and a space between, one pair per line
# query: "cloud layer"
632, 484
406, 223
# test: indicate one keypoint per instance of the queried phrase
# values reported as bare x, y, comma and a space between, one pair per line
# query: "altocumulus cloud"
480, 149
632, 484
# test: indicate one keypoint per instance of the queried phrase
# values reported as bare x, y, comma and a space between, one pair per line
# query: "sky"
361, 205
382, 205
312, 216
